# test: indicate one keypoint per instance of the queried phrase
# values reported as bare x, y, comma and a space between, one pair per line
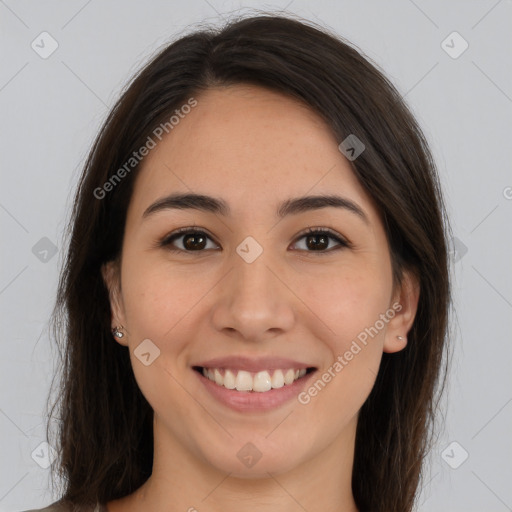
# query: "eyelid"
166, 240
328, 231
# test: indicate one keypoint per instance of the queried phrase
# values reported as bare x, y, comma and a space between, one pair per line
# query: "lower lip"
254, 400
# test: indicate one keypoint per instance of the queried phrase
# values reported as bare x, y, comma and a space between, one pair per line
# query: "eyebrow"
219, 206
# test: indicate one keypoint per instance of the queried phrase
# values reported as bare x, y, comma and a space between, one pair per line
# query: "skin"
253, 148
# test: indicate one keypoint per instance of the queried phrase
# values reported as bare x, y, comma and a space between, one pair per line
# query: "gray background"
51, 109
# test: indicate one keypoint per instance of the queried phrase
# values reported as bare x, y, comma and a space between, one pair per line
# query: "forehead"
250, 144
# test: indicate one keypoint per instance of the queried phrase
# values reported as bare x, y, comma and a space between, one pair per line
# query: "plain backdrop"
457, 84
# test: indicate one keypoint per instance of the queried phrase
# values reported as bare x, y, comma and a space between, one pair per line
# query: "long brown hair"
105, 437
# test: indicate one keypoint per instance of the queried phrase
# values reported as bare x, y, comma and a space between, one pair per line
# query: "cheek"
348, 299
354, 346
157, 297
350, 303
157, 300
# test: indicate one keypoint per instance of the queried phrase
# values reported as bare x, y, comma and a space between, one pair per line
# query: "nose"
254, 303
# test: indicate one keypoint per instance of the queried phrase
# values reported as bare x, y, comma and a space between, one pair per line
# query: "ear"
405, 305
111, 274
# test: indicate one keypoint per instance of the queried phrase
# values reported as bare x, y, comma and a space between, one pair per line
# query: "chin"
255, 460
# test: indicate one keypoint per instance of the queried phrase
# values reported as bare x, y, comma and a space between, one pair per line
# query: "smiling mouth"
260, 382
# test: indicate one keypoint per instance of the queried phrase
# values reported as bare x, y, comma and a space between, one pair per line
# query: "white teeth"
260, 382
243, 381
218, 377
278, 379
229, 380
289, 376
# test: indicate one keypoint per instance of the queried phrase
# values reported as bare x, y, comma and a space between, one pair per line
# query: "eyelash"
343, 243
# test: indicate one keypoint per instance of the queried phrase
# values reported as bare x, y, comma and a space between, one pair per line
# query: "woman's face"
253, 293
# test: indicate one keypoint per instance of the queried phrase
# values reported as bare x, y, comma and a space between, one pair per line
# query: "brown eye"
194, 241
318, 241
191, 240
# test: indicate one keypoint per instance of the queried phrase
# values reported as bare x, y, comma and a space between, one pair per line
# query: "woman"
255, 298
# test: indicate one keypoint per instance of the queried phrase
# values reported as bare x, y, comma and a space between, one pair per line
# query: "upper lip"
254, 364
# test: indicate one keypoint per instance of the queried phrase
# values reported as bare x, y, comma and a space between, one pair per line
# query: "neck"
181, 482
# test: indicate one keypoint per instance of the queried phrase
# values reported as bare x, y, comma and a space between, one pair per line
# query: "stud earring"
400, 338
117, 332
